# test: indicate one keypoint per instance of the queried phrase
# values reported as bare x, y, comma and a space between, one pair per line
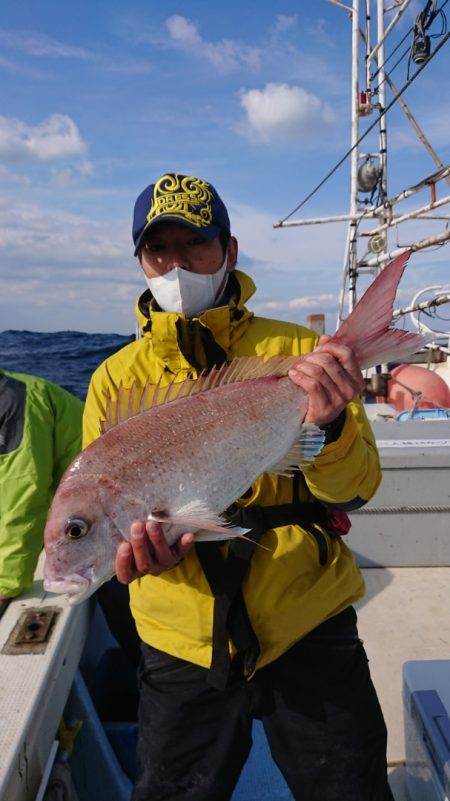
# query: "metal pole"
382, 101
393, 21
429, 181
316, 220
436, 239
340, 315
410, 215
427, 304
353, 226
341, 5
368, 42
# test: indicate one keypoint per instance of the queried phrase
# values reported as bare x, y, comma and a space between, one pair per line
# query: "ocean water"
67, 358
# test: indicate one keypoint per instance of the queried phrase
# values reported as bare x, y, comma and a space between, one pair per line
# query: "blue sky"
101, 98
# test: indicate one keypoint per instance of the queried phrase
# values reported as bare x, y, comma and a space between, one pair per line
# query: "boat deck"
404, 616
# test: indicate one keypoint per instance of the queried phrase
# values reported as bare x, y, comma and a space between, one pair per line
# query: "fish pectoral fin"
304, 450
207, 525
192, 517
228, 533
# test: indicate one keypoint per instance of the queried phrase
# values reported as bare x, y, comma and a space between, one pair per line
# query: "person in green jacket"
40, 434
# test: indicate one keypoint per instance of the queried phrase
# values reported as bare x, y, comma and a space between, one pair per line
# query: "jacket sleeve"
30, 473
347, 472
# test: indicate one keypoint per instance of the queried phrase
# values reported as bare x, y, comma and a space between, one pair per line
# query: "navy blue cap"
190, 201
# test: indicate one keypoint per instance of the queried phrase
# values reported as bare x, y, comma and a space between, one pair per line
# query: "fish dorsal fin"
136, 398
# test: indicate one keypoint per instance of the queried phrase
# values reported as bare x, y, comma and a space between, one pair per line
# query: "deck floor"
404, 616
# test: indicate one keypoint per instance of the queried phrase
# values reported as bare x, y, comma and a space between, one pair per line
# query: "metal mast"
372, 221
368, 248
369, 170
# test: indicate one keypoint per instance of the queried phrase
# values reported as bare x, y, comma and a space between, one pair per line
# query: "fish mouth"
77, 586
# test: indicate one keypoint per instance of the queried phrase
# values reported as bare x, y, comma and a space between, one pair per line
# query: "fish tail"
367, 329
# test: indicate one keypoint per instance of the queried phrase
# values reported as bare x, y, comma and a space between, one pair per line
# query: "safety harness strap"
226, 572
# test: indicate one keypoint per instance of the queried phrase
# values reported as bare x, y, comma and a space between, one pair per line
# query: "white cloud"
299, 308
226, 55
70, 176
319, 32
310, 301
29, 73
13, 178
55, 237
86, 168
280, 111
74, 272
435, 124
38, 44
183, 31
55, 137
283, 22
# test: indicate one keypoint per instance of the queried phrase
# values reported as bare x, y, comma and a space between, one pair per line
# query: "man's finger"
124, 563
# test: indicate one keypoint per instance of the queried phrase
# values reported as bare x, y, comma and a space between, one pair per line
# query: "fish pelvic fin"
135, 399
304, 450
367, 329
207, 525
194, 516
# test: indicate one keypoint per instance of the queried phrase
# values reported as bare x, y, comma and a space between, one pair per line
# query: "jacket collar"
173, 334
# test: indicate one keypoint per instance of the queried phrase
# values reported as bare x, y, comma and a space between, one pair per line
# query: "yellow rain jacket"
287, 590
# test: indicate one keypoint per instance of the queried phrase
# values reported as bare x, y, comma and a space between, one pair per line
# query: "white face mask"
185, 292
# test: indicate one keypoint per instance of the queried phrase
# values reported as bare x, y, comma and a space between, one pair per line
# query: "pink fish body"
183, 461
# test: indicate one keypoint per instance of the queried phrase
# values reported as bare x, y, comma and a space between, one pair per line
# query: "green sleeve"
29, 475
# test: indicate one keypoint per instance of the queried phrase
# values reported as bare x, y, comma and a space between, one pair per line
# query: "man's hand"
331, 377
148, 552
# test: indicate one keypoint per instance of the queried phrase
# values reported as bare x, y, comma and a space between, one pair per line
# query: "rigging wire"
407, 34
369, 129
388, 74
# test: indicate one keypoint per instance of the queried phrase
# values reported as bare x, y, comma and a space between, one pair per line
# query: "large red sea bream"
187, 457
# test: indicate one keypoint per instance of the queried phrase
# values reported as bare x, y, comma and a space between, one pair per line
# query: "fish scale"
200, 434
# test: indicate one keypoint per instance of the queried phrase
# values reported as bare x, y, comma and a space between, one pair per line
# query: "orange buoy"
419, 379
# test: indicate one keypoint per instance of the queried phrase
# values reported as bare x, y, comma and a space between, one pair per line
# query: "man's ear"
232, 253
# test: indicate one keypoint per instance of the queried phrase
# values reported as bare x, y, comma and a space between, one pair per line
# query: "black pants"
318, 707
114, 599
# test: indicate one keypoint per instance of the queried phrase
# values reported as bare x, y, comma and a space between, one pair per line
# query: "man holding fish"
206, 419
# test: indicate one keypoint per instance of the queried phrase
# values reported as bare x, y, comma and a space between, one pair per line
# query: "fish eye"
75, 528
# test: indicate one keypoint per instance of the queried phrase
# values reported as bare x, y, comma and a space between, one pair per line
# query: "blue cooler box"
426, 705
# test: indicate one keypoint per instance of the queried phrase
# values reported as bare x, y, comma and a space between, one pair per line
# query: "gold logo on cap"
187, 198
